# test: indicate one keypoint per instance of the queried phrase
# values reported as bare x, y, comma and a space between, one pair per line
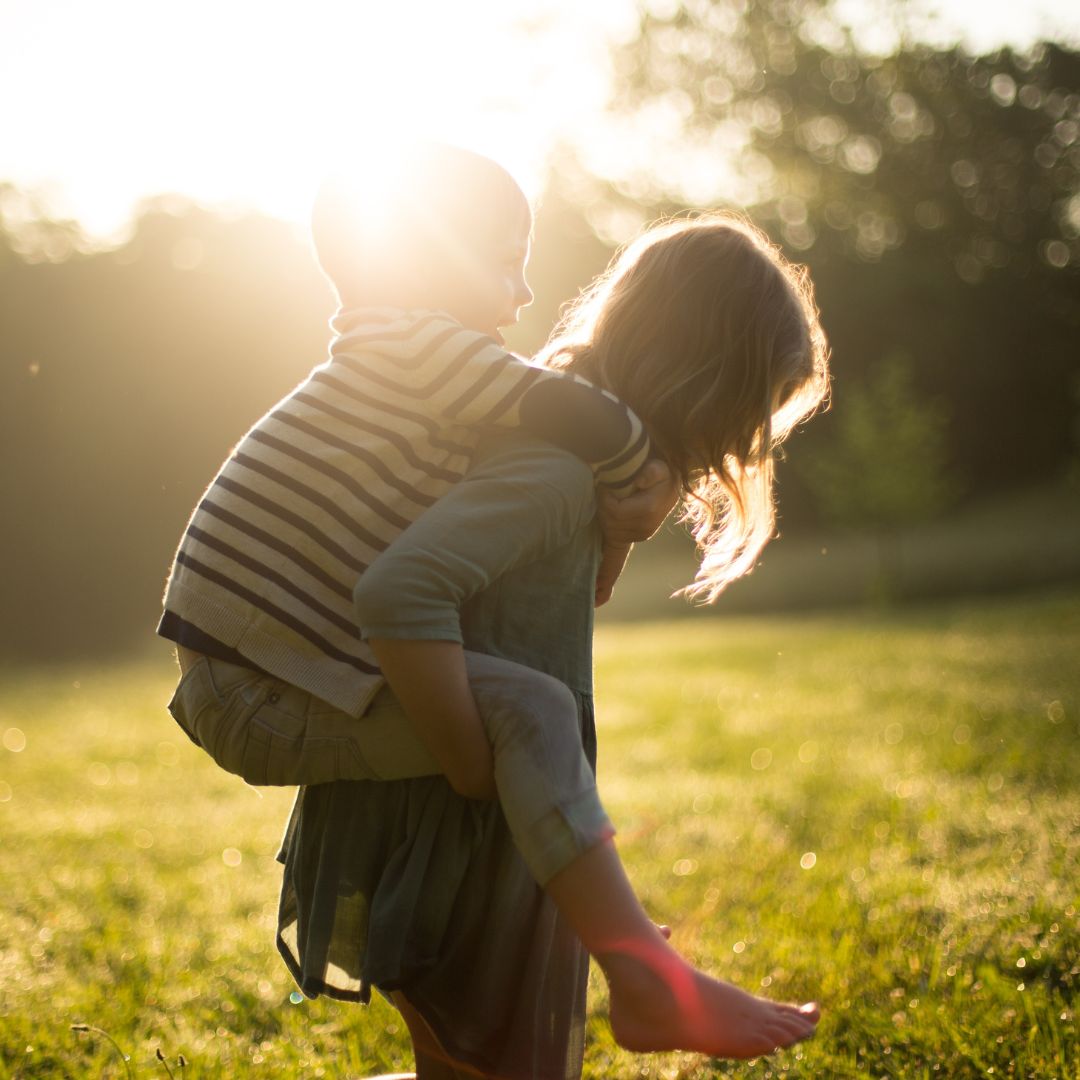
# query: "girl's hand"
640, 514
431, 683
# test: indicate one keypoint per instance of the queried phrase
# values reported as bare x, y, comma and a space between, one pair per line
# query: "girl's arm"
430, 682
430, 363
512, 508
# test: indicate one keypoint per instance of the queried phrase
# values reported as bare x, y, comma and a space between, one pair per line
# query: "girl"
713, 339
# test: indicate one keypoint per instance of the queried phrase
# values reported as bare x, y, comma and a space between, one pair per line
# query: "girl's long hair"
713, 338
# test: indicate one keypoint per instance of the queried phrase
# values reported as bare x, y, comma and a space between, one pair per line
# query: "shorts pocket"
264, 730
220, 710
195, 701
292, 742
279, 753
177, 708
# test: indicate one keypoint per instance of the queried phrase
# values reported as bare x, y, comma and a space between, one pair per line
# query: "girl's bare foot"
659, 1002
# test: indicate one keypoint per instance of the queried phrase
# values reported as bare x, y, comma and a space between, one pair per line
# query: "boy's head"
433, 226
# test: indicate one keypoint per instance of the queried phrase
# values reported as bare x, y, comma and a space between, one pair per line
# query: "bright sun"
243, 102
246, 102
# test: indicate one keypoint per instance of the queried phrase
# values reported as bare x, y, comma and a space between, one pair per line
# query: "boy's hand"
633, 518
612, 560
640, 514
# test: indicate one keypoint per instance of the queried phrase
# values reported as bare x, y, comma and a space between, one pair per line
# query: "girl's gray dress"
404, 884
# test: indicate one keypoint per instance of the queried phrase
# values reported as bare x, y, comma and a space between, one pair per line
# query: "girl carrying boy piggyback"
336, 548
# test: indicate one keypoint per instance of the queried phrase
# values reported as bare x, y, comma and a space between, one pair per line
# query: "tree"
886, 466
862, 152
934, 195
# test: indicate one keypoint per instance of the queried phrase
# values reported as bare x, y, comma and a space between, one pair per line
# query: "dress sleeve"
515, 506
460, 376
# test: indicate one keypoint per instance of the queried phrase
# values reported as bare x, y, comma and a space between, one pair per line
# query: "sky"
245, 103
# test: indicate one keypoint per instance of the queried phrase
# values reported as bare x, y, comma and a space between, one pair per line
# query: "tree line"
935, 197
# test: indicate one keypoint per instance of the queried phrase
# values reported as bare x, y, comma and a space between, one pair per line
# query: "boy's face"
491, 295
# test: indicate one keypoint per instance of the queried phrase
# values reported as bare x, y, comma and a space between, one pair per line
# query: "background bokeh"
933, 190
873, 805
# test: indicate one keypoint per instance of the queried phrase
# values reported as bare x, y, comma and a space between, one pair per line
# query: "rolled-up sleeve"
521, 500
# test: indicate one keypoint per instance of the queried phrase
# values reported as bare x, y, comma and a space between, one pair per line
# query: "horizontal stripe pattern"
274, 543
282, 616
331, 475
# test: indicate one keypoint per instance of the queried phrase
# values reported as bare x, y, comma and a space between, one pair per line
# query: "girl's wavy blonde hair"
713, 338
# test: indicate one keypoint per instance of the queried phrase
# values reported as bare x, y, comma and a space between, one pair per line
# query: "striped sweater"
336, 470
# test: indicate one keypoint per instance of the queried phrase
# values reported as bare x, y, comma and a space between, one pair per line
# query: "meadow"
877, 809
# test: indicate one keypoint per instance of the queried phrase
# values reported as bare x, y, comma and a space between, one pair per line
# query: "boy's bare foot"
659, 1002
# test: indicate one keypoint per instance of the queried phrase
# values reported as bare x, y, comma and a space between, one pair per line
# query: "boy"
259, 600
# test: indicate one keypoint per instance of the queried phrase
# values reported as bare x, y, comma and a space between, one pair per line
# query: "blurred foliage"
934, 195
860, 153
887, 465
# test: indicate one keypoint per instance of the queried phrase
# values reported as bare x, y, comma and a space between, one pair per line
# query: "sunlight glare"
244, 103
247, 103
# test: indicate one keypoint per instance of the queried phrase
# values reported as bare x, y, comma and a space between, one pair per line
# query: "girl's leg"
432, 1062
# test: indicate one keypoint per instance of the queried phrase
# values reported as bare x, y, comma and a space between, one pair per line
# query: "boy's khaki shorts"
270, 733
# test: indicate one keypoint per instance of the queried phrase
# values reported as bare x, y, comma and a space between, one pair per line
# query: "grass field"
881, 811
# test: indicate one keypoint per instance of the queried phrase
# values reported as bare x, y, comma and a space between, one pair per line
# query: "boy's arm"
459, 376
571, 413
511, 510
635, 517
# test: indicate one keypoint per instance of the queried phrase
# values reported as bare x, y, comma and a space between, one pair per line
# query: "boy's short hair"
398, 229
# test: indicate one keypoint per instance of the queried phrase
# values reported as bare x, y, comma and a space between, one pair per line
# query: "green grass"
880, 811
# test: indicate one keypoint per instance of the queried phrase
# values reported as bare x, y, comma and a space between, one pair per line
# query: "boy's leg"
658, 1000
265, 730
271, 733
546, 786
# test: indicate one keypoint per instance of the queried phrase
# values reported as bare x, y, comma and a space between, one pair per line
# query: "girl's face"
491, 295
